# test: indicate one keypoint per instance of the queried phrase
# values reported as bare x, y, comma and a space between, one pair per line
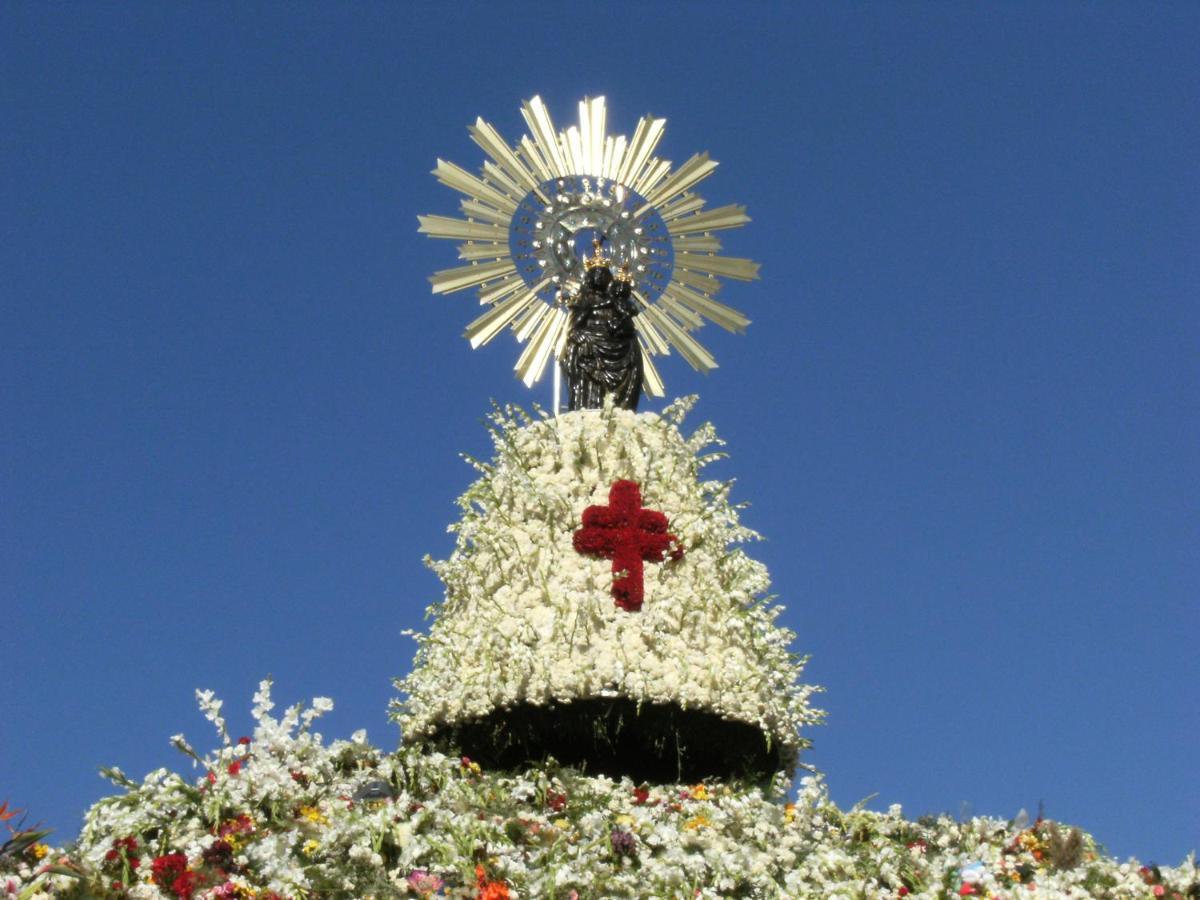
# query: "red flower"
235, 767
185, 885
640, 795
556, 801
966, 890
243, 741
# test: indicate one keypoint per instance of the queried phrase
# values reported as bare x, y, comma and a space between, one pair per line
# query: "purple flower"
623, 843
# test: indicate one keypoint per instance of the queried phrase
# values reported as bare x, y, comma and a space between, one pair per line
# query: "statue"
602, 356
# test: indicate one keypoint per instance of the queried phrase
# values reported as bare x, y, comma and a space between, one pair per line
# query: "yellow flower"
626, 820
700, 821
310, 847
39, 851
700, 792
313, 815
789, 813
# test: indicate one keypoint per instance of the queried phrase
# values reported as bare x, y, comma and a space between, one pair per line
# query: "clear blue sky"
965, 415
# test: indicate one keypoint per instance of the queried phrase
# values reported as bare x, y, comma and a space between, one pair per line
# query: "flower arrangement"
276, 816
556, 529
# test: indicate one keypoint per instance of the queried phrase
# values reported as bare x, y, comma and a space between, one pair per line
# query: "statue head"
598, 278
597, 274
622, 283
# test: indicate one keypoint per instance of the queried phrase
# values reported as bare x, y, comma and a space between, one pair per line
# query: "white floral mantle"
527, 619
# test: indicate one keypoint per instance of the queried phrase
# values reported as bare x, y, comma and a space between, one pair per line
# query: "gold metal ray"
726, 316
705, 284
689, 348
687, 318
490, 141
482, 250
686, 204
465, 183
730, 216
498, 177
637, 155
727, 266
704, 243
545, 135
492, 322
684, 178
652, 382
458, 230
533, 361
474, 209
651, 336
531, 322
574, 147
593, 133
614, 161
533, 156
656, 170
490, 293
449, 280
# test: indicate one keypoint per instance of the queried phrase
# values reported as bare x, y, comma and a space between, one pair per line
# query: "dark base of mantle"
659, 743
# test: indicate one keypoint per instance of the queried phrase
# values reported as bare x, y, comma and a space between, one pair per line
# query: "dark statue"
602, 356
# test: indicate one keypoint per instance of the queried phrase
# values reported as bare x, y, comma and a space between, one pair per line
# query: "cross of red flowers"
628, 535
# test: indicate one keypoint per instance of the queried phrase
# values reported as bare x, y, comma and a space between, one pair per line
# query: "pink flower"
424, 882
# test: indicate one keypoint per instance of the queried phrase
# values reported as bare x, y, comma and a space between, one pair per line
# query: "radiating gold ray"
639, 133
574, 145
533, 156
646, 328
536, 336
599, 115
704, 243
689, 348
530, 324
652, 382
474, 209
618, 154
490, 293
730, 216
449, 280
490, 141
458, 230
686, 204
465, 183
533, 361
656, 170
637, 156
545, 135
687, 318
482, 250
726, 316
727, 266
682, 179
492, 322
499, 178
705, 284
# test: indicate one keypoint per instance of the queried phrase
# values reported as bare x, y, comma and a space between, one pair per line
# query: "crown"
623, 273
597, 259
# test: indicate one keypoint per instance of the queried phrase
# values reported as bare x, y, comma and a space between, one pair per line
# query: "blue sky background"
965, 416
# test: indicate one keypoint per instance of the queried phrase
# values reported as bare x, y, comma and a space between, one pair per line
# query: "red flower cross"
628, 535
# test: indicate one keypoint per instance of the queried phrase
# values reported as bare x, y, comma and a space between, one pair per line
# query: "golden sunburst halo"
532, 209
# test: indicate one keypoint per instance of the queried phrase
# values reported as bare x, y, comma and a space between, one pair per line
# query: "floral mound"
275, 817
593, 563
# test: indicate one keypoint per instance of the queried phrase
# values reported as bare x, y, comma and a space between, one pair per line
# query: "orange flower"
5, 813
489, 890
